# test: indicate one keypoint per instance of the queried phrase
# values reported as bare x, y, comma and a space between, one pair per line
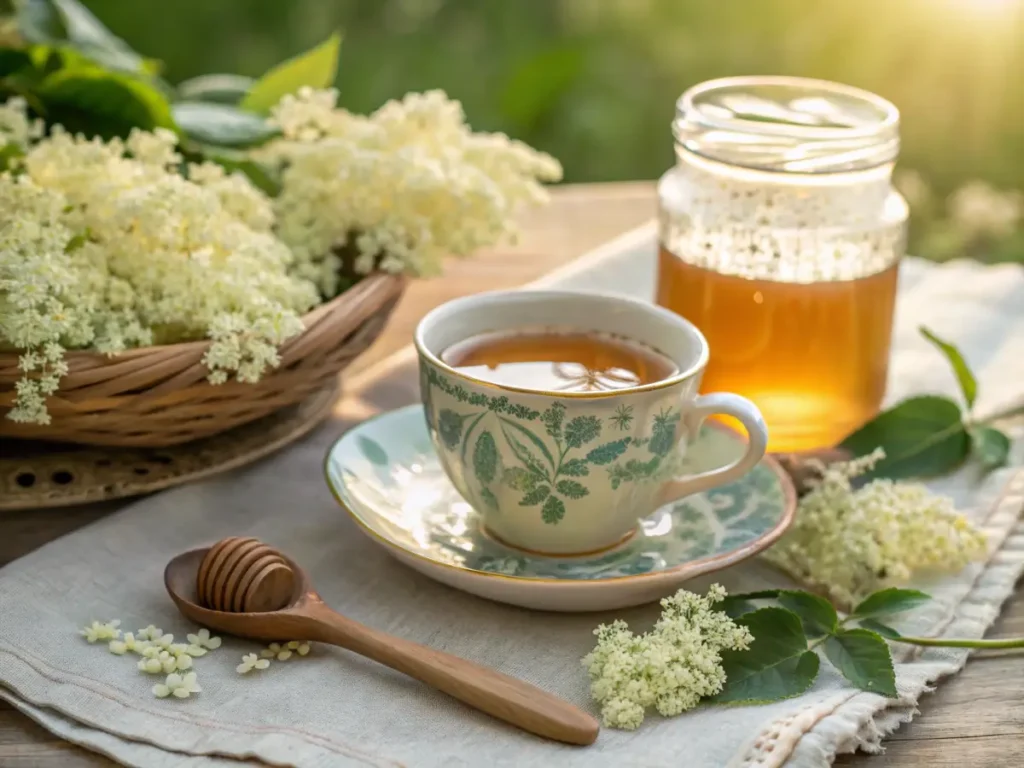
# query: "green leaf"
489, 498
776, 666
553, 511
449, 428
575, 468
222, 124
571, 489
991, 446
524, 454
581, 430
535, 496
888, 601
519, 479
92, 39
372, 451
222, 89
609, 452
883, 629
317, 68
816, 613
93, 101
485, 458
863, 658
922, 436
529, 435
70, 22
968, 384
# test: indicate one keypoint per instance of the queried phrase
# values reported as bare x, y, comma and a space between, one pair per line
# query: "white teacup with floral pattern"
572, 472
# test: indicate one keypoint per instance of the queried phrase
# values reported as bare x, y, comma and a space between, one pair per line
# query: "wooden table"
975, 719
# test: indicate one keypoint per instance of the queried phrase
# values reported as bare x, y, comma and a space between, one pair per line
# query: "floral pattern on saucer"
387, 476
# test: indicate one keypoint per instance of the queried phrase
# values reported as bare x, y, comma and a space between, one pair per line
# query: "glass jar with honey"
781, 236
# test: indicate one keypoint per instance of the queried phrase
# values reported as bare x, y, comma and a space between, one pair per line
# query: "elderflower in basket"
107, 246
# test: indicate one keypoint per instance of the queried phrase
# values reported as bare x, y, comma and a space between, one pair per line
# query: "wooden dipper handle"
504, 697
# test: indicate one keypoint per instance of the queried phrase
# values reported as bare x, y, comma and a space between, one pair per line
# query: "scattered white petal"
203, 639
195, 650
293, 645
303, 649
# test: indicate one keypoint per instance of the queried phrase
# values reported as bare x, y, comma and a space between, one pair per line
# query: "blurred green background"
594, 82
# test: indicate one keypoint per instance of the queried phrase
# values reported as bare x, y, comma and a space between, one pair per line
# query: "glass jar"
781, 236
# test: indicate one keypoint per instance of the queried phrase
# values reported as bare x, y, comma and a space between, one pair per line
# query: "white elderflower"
97, 631
150, 665
670, 668
250, 662
150, 633
300, 647
127, 644
203, 639
105, 246
278, 651
405, 186
851, 543
179, 686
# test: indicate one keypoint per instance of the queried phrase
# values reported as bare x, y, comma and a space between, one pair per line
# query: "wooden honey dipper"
245, 588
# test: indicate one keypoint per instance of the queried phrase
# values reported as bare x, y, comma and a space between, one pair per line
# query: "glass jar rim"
787, 124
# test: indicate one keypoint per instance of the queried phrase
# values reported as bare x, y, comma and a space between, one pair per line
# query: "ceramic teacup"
572, 472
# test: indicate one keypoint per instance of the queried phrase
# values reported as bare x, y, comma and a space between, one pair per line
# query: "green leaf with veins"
816, 614
553, 511
485, 458
609, 452
571, 489
922, 437
776, 666
888, 601
883, 629
863, 658
535, 496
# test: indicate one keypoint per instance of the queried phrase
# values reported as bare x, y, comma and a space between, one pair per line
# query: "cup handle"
747, 414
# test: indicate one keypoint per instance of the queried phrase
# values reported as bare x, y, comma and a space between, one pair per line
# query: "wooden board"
974, 719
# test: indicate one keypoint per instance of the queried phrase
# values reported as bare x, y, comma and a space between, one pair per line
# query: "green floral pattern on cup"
447, 530
549, 451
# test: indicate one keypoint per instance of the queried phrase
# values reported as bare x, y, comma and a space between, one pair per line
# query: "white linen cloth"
334, 709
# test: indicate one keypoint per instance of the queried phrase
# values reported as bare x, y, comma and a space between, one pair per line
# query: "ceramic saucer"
386, 476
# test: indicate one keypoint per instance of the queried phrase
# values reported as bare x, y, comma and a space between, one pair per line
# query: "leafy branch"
931, 435
782, 660
73, 71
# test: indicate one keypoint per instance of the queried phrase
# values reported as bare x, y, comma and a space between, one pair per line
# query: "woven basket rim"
9, 359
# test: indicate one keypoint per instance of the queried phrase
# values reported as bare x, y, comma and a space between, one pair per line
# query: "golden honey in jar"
781, 236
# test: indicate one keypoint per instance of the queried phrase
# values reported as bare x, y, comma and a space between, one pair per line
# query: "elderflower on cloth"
851, 543
179, 686
670, 668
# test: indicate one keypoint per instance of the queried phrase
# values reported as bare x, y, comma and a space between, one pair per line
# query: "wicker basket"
158, 396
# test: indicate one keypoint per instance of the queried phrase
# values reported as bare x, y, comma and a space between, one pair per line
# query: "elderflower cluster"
106, 246
854, 542
670, 668
403, 187
111, 245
